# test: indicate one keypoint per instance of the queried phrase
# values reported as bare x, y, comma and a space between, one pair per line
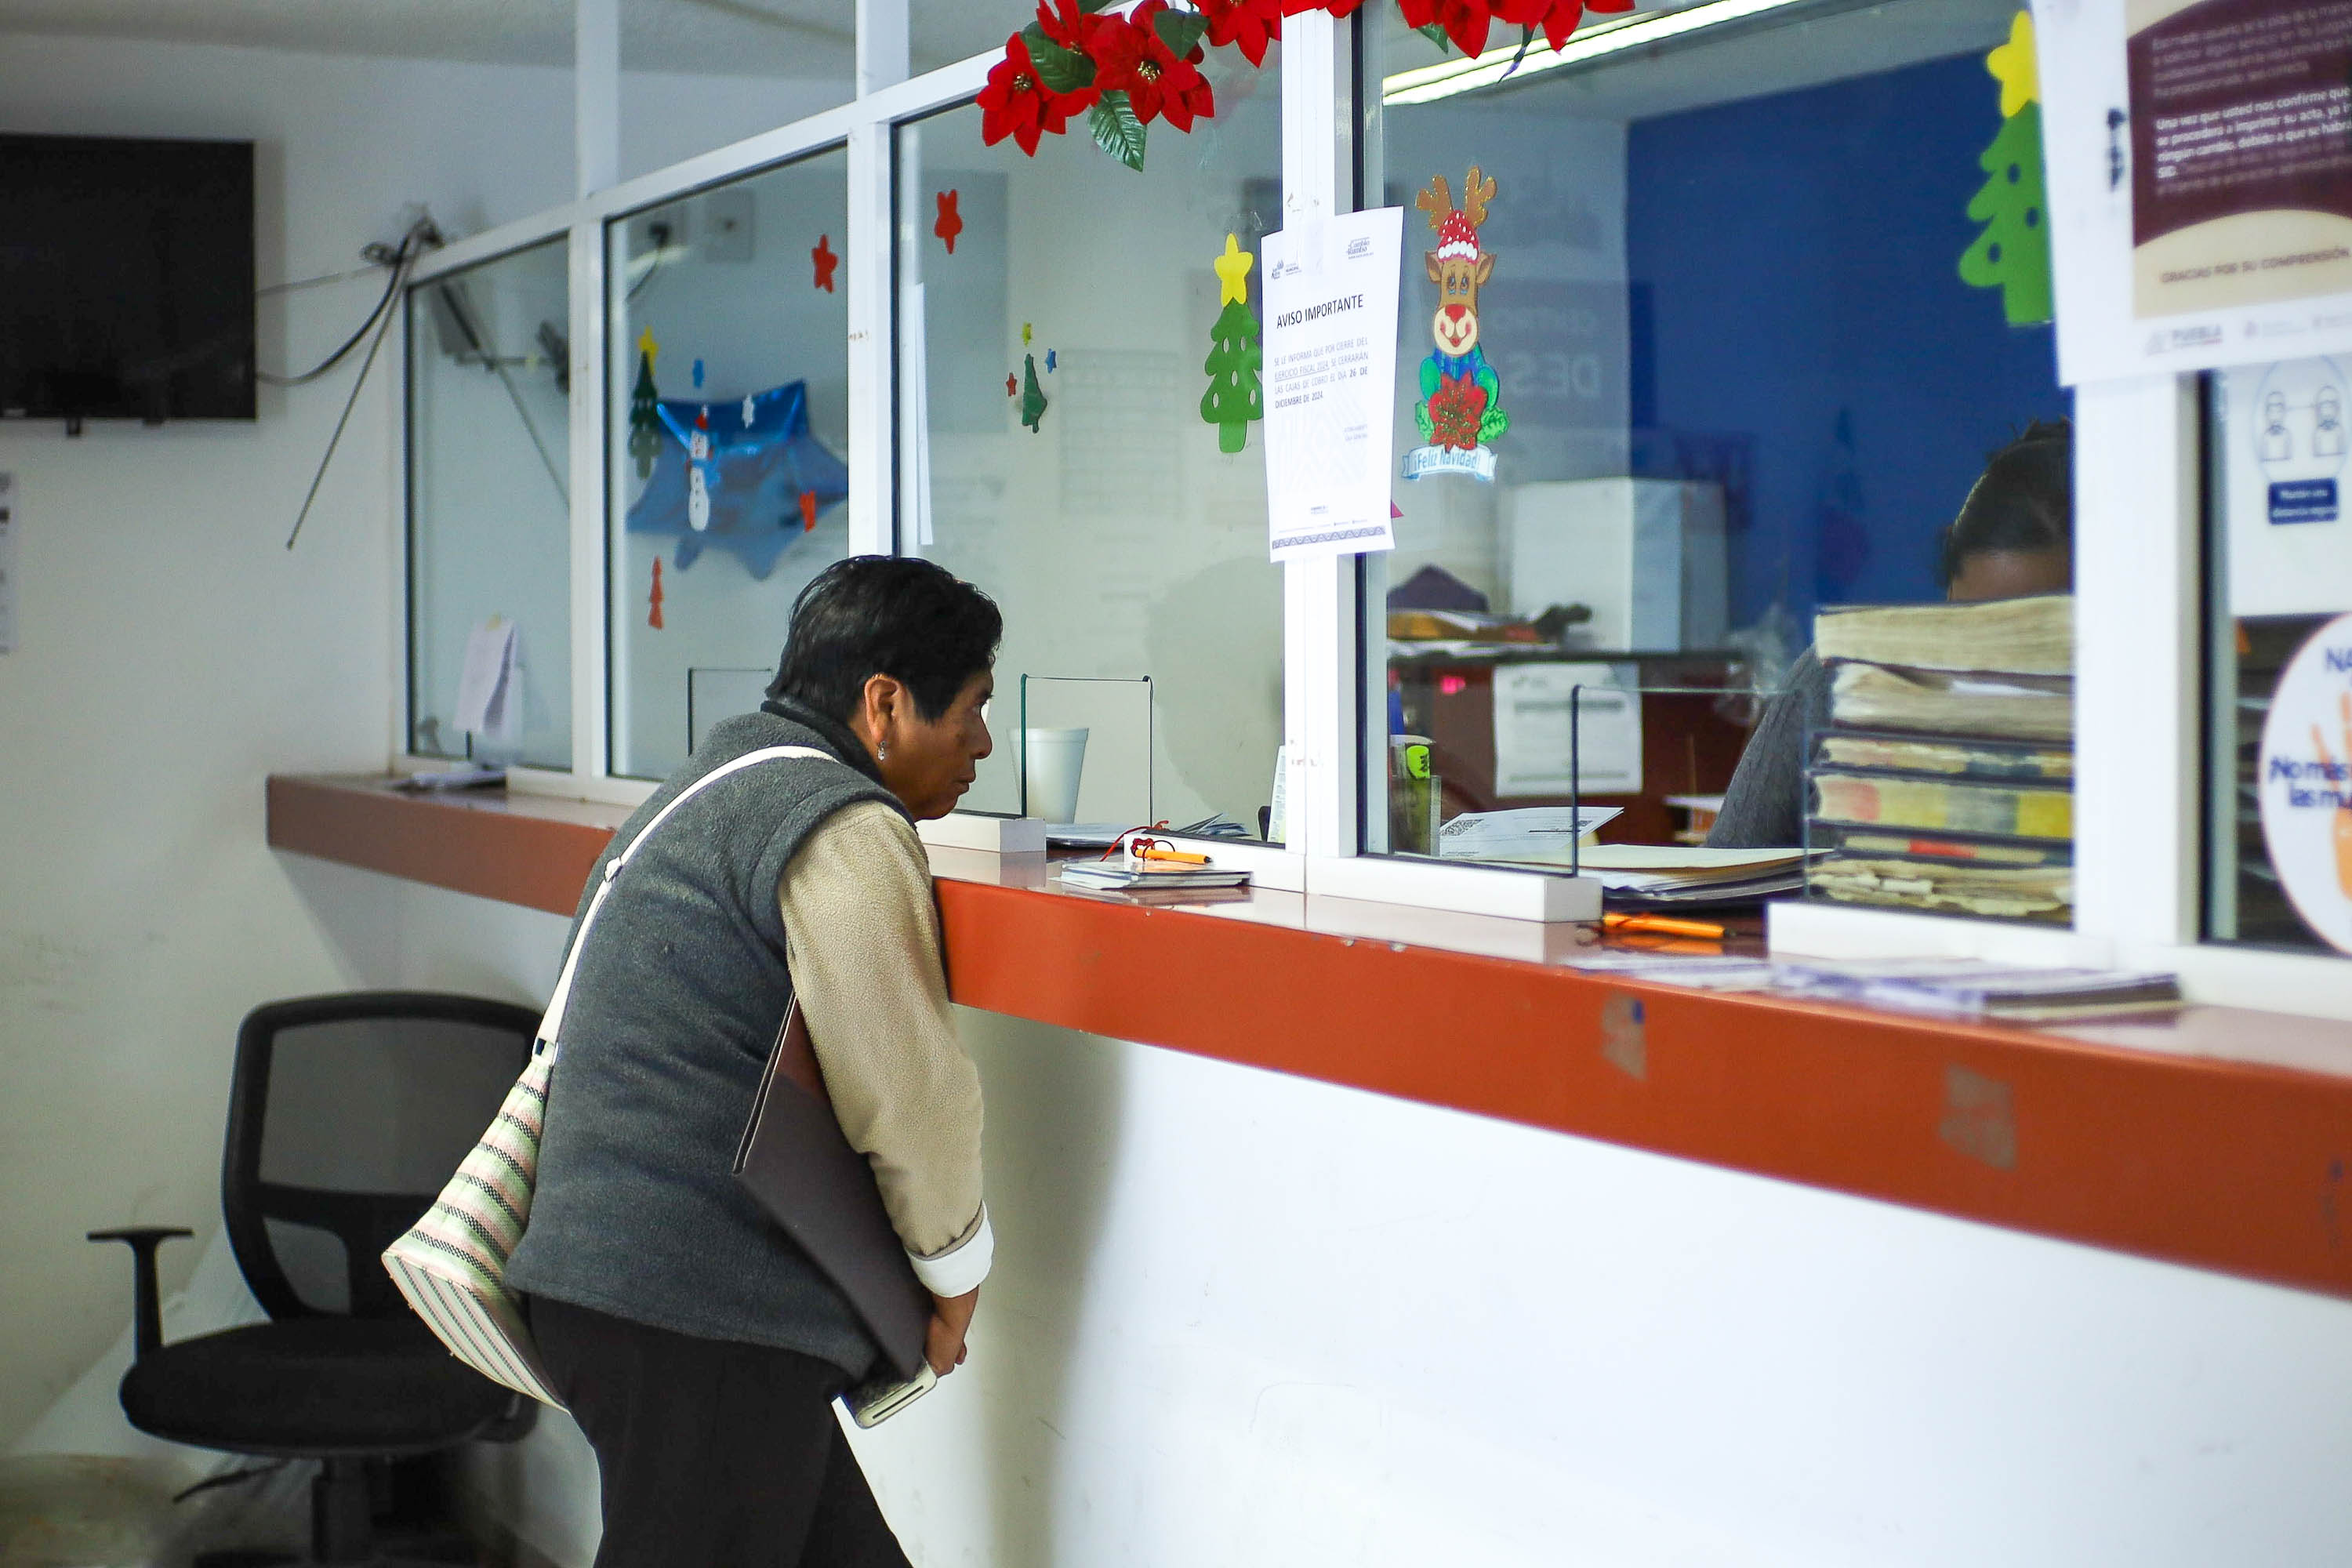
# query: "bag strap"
551, 1026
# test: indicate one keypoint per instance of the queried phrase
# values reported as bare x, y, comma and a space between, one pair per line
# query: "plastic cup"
1053, 759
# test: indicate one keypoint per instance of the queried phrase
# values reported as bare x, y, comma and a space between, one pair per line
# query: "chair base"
343, 1499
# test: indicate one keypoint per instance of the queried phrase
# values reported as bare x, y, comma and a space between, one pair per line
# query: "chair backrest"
347, 1115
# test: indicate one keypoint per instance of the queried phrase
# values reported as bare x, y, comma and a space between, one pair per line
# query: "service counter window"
1080, 437
1700, 339
728, 419
2279, 647
489, 617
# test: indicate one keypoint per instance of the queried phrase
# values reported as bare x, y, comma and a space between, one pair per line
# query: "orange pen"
1662, 925
1176, 855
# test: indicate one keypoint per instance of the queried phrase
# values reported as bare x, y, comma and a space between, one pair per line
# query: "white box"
1646, 556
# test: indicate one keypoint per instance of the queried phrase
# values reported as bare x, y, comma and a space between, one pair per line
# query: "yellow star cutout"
2013, 64
648, 347
1233, 273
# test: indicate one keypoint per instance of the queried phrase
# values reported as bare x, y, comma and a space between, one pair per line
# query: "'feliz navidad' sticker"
2306, 782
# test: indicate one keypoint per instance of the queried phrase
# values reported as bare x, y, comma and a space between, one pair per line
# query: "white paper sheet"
489, 699
2265, 276
1330, 381
1532, 733
2286, 447
1524, 833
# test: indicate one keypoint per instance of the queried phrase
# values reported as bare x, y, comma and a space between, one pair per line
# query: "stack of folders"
1154, 882
1971, 988
1945, 779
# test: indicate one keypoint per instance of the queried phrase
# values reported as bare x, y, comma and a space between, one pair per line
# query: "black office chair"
346, 1115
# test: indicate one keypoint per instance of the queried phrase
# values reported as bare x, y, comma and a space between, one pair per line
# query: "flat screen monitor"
126, 278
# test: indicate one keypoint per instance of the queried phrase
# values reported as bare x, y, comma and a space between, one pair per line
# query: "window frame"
2141, 672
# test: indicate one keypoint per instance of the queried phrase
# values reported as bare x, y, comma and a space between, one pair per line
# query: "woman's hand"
943, 1347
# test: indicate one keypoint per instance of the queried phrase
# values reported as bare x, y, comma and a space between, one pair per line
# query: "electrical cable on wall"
420, 234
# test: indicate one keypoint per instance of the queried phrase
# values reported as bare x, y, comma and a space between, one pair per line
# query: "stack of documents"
1973, 988
1690, 874
1120, 876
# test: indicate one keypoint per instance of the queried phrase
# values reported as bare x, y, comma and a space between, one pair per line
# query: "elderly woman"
697, 1347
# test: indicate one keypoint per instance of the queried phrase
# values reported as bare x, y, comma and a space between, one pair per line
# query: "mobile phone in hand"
876, 1400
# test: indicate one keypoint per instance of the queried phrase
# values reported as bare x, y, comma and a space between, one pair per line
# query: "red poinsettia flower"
1015, 103
1464, 21
1063, 23
1455, 409
1336, 7
1130, 56
1557, 18
1252, 24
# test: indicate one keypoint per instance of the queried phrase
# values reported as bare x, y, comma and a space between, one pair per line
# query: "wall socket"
651, 229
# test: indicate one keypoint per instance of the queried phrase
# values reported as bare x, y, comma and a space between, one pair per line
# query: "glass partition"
1687, 354
489, 623
728, 425
1066, 340
2279, 649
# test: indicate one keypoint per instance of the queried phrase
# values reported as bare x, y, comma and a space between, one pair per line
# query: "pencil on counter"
1662, 925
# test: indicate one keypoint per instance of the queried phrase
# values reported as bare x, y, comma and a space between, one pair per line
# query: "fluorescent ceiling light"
1427, 84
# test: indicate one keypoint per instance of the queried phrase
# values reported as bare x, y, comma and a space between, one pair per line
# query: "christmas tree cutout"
2013, 253
644, 409
1235, 396
1032, 397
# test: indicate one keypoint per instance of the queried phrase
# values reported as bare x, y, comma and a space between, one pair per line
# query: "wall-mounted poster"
2306, 782
2199, 168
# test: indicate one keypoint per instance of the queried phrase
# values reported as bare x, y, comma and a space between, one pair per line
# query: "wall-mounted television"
126, 278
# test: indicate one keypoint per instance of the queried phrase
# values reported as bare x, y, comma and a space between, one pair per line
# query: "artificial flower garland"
1121, 72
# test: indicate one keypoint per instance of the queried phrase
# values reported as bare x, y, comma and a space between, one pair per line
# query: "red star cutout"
1012, 385
825, 261
950, 222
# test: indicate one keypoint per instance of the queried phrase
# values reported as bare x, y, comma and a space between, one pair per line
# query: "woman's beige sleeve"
862, 936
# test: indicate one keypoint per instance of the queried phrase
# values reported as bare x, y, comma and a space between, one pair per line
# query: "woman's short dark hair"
885, 615
2023, 502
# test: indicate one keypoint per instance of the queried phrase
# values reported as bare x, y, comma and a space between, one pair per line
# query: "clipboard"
796, 1163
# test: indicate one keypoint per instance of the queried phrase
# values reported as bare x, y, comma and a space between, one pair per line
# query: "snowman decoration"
697, 474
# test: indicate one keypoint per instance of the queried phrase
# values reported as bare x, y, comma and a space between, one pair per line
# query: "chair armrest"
147, 1317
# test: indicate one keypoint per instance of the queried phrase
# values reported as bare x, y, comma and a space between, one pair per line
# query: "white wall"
172, 651
1242, 1319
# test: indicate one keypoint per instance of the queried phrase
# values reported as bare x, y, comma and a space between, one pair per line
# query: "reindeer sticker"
1460, 408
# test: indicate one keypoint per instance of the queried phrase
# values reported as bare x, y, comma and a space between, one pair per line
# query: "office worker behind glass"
2014, 536
697, 1348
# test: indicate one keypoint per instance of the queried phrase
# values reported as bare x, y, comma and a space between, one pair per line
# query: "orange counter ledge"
2219, 1139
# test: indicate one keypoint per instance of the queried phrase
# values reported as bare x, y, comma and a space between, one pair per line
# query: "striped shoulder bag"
451, 1263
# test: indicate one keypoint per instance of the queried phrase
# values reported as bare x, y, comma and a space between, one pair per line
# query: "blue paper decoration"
754, 478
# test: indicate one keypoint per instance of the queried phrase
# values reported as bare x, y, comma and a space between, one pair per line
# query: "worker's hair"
2023, 502
885, 615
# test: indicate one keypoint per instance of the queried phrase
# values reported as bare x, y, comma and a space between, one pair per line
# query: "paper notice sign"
488, 702
2198, 160
1563, 727
1330, 382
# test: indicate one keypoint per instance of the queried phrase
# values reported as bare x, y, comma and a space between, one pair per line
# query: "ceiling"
798, 38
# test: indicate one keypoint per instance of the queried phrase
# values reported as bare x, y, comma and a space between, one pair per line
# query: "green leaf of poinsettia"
1435, 34
1061, 69
1116, 129
1180, 30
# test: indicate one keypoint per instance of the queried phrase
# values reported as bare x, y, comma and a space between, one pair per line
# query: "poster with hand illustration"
2304, 782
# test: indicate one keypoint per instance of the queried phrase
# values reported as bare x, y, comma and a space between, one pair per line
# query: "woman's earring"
881, 753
